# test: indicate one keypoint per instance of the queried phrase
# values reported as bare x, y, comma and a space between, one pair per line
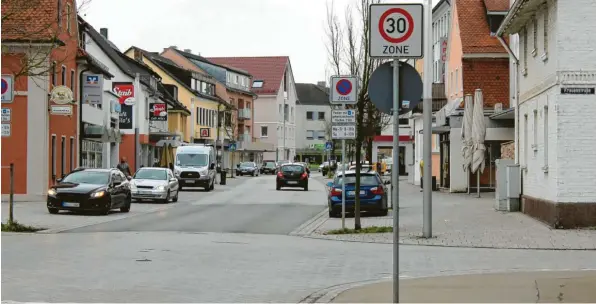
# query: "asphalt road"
252, 205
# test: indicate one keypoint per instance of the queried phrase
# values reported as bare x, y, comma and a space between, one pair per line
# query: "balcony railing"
244, 114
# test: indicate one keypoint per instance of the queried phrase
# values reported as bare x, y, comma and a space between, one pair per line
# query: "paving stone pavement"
462, 220
215, 267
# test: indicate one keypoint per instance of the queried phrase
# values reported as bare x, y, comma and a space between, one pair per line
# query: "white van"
194, 166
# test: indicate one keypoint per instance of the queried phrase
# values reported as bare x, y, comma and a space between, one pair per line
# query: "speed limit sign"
396, 30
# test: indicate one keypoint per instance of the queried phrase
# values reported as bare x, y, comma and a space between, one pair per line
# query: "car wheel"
107, 209
53, 210
213, 185
306, 187
254, 174
167, 199
383, 212
175, 198
332, 214
126, 207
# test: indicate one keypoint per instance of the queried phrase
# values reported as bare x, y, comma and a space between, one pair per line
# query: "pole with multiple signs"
344, 91
396, 32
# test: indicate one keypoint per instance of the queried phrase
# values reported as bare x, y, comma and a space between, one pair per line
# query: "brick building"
475, 60
553, 45
39, 54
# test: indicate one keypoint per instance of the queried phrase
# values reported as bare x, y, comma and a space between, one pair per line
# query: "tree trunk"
360, 130
369, 150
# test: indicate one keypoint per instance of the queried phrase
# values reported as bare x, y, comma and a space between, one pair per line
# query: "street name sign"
396, 30
343, 132
6, 115
344, 90
343, 116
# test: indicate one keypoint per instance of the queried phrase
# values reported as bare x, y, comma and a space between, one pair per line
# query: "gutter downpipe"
81, 123
516, 96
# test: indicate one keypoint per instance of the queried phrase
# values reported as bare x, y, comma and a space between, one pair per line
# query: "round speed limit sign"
396, 30
396, 25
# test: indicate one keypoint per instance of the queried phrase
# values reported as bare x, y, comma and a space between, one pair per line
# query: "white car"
156, 184
321, 166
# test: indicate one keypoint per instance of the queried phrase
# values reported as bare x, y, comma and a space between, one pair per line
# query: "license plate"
67, 204
189, 182
292, 183
146, 192
352, 193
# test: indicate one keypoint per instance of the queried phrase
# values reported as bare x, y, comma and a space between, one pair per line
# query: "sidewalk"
462, 220
534, 287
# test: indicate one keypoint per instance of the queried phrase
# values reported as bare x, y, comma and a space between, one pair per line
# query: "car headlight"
160, 188
133, 186
203, 172
52, 192
176, 172
98, 194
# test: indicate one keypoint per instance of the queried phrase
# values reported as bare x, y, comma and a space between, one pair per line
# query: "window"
59, 13
321, 134
309, 115
280, 113
63, 75
72, 152
68, 21
525, 54
286, 107
257, 84
54, 74
545, 131
526, 140
193, 84
285, 82
321, 115
146, 108
457, 79
72, 80
63, 156
535, 141
545, 31
264, 131
53, 149
535, 34
310, 134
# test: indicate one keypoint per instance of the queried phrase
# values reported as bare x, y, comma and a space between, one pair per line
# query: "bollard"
11, 195
222, 177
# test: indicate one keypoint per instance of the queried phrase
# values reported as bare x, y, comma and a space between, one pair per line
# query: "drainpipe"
81, 123
516, 62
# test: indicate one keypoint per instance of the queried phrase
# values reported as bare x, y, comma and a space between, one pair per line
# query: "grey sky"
223, 28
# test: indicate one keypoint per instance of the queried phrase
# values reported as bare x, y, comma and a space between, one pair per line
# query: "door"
172, 182
402, 161
118, 194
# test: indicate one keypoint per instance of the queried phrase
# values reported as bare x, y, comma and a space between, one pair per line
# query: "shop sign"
93, 89
126, 93
60, 110
205, 132
61, 95
158, 112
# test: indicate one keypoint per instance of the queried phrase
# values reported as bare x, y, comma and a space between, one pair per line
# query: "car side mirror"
173, 179
330, 184
58, 180
129, 177
212, 166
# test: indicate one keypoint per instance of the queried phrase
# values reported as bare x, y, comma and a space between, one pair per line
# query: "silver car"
156, 184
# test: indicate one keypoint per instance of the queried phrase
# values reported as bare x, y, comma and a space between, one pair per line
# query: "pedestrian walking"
124, 167
421, 174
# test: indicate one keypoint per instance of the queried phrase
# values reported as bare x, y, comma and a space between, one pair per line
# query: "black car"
292, 175
268, 167
247, 168
90, 190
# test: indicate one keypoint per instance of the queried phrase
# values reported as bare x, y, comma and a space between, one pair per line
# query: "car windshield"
247, 165
88, 177
284, 162
292, 168
156, 174
365, 180
192, 159
270, 164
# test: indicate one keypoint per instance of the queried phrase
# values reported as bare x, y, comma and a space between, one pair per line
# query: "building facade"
313, 115
556, 78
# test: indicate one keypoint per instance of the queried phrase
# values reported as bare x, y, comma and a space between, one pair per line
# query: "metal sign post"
396, 32
343, 123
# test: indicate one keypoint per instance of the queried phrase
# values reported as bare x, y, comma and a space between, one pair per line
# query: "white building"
130, 79
314, 120
273, 82
556, 106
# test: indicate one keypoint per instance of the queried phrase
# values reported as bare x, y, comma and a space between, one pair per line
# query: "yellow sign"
61, 95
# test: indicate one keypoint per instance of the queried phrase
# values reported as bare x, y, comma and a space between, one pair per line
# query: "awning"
438, 130
172, 142
508, 114
102, 133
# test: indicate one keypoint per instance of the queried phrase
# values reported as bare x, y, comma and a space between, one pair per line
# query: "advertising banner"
126, 91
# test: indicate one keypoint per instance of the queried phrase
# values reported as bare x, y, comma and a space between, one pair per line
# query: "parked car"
373, 193
291, 175
90, 190
268, 167
323, 165
247, 168
363, 168
156, 184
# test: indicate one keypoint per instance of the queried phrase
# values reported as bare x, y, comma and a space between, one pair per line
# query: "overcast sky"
221, 28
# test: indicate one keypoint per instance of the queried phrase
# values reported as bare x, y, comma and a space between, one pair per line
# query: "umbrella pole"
478, 182
468, 178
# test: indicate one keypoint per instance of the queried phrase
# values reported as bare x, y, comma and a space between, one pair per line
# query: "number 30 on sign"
396, 30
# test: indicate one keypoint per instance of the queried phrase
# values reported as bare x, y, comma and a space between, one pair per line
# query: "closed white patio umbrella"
466, 135
478, 137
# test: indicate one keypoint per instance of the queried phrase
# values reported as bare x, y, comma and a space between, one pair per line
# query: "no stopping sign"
396, 30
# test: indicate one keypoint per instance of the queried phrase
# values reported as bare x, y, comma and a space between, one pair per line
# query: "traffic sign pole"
427, 129
395, 181
343, 184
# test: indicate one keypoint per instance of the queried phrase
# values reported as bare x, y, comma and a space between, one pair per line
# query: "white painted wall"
37, 137
303, 124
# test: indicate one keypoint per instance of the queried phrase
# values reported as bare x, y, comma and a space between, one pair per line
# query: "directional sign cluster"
344, 91
343, 124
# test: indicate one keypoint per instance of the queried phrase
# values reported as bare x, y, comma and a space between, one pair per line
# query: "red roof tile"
473, 27
27, 20
497, 5
269, 69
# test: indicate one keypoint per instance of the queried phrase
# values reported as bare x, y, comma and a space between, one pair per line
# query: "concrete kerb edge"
308, 227
311, 236
327, 295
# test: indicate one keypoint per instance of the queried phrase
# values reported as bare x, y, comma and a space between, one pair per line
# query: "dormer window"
257, 84
494, 21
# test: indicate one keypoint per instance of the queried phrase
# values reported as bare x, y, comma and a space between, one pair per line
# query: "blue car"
373, 193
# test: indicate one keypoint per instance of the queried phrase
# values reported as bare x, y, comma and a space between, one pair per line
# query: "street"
230, 245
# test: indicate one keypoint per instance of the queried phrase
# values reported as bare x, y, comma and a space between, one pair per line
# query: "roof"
312, 94
268, 69
175, 103
188, 55
32, 21
127, 65
474, 28
519, 14
496, 5
438, 5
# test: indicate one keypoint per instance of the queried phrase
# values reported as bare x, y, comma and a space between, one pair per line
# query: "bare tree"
30, 33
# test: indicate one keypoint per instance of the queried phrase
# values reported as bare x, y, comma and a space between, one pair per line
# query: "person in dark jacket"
124, 167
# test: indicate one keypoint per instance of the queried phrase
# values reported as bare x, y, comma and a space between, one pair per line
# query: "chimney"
322, 84
174, 47
104, 32
188, 51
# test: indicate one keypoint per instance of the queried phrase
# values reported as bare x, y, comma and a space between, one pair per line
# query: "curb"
308, 227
